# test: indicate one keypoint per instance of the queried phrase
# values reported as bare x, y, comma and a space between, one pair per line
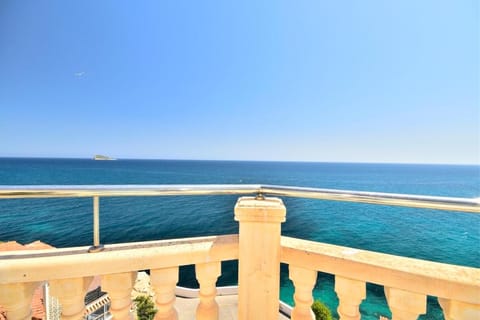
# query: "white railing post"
96, 247
96, 221
259, 256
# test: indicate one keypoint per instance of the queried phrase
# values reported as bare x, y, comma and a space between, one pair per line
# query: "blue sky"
354, 81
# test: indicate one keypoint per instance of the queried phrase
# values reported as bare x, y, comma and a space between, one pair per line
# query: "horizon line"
244, 160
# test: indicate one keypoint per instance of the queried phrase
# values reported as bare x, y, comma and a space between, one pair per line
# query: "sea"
442, 236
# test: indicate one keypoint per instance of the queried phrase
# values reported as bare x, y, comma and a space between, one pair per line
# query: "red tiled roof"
15, 246
38, 309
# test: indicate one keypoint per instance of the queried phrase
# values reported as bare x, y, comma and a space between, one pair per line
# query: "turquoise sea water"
426, 234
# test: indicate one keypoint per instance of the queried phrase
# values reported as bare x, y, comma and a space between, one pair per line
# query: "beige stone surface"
41, 265
304, 280
71, 295
413, 275
38, 310
119, 287
259, 256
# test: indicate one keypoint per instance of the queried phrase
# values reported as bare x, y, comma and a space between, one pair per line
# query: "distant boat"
101, 157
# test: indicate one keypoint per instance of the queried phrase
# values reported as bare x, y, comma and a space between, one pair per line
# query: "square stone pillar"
259, 257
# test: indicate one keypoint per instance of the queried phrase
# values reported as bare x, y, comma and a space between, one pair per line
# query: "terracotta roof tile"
38, 309
15, 246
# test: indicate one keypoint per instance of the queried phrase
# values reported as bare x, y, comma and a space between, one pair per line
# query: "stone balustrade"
407, 281
260, 249
69, 272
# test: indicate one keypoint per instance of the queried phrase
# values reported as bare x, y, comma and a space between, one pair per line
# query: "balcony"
259, 248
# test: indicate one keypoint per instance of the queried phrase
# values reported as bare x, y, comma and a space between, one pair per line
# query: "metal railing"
96, 191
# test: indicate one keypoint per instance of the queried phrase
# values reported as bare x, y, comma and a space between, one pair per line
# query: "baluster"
207, 274
456, 310
16, 298
405, 305
304, 281
119, 287
71, 295
350, 294
164, 282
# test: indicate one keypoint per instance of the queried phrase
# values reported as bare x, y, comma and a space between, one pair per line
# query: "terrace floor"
227, 308
186, 307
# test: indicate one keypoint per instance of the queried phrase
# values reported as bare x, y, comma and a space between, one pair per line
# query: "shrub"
321, 311
145, 308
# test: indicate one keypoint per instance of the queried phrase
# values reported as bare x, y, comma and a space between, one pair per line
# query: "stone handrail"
38, 265
426, 277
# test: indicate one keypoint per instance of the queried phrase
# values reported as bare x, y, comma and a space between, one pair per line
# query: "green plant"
321, 311
145, 308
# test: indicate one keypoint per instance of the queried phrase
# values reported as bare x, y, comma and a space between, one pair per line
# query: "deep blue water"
441, 236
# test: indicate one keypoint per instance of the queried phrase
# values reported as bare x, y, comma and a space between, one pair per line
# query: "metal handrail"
96, 191
59, 191
392, 199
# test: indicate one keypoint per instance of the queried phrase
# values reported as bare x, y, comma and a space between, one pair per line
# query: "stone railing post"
304, 281
456, 310
207, 274
405, 305
163, 283
16, 298
119, 287
350, 294
71, 296
259, 256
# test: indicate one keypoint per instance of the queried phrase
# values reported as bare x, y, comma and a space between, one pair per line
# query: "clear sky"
354, 81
